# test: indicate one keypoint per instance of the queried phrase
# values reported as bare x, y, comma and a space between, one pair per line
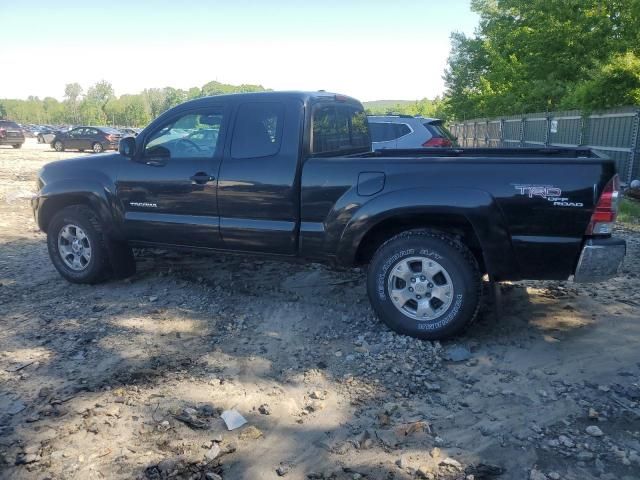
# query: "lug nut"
430, 285
413, 280
418, 297
411, 289
423, 278
428, 295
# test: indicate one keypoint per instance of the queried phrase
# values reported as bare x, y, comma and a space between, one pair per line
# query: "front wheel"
17, 145
424, 284
97, 148
77, 246
58, 146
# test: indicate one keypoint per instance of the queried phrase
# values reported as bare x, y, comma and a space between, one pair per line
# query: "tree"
72, 93
531, 55
155, 101
615, 83
99, 96
101, 106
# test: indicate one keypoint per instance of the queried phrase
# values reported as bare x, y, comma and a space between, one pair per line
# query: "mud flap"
121, 259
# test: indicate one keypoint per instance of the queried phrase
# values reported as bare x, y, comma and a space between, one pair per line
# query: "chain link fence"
613, 132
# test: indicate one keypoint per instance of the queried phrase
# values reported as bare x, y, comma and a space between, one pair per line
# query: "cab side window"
191, 135
258, 130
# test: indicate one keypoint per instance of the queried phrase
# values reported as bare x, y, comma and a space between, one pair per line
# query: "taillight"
437, 142
606, 211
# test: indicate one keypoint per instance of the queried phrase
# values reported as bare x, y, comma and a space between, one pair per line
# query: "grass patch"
629, 211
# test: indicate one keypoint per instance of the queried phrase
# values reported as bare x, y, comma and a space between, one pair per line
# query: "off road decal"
548, 192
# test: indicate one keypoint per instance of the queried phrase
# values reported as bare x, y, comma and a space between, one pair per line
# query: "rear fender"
476, 206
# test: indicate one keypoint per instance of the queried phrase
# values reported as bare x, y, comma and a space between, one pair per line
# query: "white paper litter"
233, 419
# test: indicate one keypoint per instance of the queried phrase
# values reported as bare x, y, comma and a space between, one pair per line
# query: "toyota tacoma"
292, 175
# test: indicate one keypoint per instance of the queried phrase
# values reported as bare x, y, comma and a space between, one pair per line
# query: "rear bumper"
11, 140
600, 260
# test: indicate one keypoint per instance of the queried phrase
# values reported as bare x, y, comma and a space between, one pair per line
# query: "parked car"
97, 139
11, 134
405, 131
292, 176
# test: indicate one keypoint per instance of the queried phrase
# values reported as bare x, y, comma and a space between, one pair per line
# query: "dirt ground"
128, 379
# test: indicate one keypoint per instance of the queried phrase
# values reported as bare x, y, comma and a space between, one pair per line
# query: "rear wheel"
40, 139
58, 146
424, 284
17, 145
97, 147
76, 245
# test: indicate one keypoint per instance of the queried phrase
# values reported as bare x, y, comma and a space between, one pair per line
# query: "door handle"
201, 178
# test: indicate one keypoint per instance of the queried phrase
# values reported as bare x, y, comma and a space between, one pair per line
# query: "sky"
369, 49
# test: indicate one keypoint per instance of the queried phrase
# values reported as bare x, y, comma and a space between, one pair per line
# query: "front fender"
476, 206
59, 194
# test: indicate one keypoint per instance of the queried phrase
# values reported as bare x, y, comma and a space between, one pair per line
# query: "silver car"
405, 131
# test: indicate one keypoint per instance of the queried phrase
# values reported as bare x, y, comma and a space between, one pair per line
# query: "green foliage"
629, 211
435, 108
100, 106
538, 55
613, 84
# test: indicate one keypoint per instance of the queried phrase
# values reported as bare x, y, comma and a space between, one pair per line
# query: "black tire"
58, 146
97, 147
17, 145
40, 139
454, 258
97, 268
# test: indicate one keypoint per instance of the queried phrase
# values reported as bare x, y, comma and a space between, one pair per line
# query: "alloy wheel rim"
420, 288
74, 247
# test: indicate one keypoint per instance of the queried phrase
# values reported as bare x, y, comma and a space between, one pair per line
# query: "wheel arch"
55, 197
457, 226
470, 215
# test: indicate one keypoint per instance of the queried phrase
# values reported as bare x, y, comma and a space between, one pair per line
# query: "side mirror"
127, 147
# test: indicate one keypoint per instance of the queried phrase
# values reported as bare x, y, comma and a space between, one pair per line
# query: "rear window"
439, 130
7, 124
340, 128
111, 131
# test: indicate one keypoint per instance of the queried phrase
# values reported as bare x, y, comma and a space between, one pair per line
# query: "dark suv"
11, 134
97, 139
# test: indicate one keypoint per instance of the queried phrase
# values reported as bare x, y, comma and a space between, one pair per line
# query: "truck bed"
530, 206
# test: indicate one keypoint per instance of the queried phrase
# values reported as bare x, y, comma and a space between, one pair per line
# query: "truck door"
168, 193
258, 184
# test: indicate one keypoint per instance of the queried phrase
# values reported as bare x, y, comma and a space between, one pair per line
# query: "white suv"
405, 131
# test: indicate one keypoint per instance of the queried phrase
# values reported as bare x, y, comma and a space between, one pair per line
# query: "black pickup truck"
292, 175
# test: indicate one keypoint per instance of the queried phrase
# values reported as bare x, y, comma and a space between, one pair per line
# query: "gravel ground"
129, 379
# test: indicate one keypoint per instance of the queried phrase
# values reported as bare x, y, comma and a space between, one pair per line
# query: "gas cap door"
370, 183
